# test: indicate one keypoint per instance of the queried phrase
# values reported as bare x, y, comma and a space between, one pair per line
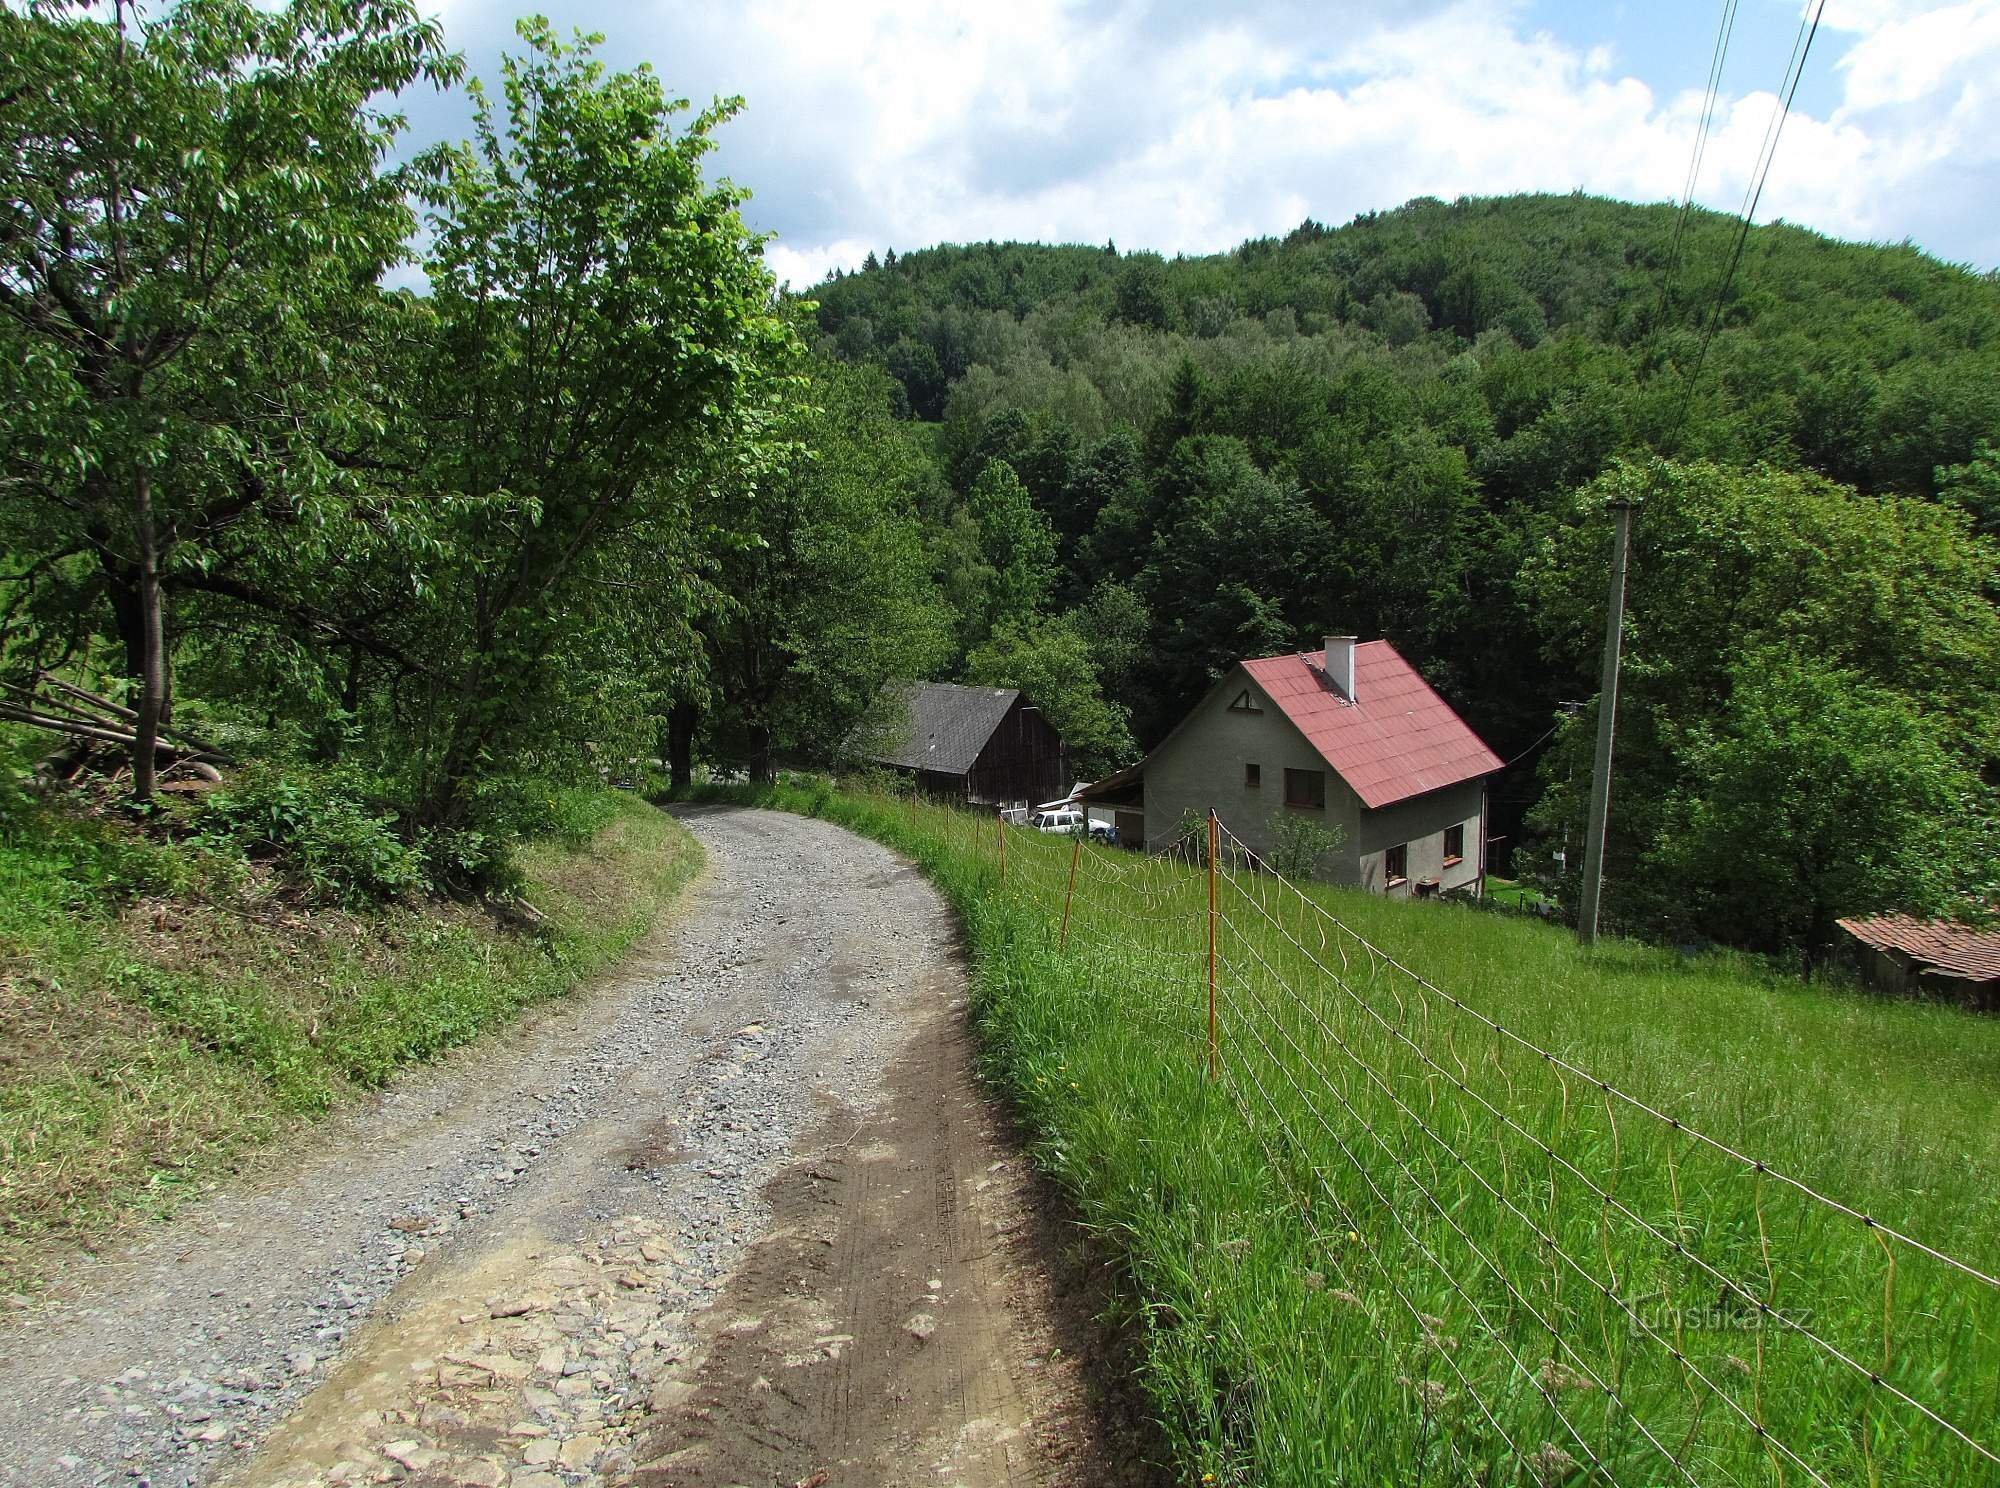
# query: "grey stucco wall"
1201, 766
1419, 824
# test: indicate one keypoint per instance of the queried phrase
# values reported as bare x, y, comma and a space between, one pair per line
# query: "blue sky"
1189, 125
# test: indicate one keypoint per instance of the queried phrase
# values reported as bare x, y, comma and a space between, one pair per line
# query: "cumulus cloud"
1186, 127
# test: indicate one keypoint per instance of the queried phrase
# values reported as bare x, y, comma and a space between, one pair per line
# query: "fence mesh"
1570, 1283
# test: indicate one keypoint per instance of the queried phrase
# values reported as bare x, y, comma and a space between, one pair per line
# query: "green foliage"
1298, 842
1051, 662
1816, 794
319, 830
1017, 546
1975, 486
630, 370
200, 205
86, 865
1799, 655
826, 593
540, 808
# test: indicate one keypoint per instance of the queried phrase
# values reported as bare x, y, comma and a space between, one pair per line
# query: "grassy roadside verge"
1278, 1348
145, 1048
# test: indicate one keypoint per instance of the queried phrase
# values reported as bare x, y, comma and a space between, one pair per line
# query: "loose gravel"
646, 1114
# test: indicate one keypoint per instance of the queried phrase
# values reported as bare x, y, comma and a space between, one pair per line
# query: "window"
1253, 776
1305, 788
1396, 863
1454, 844
1245, 703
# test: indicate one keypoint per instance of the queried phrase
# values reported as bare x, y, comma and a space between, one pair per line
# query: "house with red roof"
1351, 736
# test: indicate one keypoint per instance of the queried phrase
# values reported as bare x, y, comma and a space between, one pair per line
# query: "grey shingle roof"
948, 725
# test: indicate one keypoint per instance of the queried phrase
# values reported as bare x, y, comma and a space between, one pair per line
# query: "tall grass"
1391, 1241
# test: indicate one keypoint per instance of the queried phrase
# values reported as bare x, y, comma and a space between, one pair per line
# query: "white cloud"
1182, 126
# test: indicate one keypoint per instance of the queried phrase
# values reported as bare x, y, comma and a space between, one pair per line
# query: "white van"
1067, 819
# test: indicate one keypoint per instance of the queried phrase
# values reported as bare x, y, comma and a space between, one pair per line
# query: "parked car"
1104, 832
1058, 821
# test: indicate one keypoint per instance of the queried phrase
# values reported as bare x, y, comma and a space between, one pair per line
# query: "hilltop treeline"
1405, 427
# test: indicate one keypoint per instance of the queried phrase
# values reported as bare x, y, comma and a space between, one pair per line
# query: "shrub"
319, 830
1298, 842
545, 808
459, 859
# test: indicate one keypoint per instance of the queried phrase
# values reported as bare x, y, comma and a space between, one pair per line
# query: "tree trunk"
761, 772
153, 652
333, 734
128, 613
681, 721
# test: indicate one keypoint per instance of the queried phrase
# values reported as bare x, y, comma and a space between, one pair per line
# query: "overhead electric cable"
1795, 68
1724, 30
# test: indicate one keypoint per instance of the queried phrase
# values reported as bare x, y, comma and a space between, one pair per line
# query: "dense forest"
1407, 427
600, 493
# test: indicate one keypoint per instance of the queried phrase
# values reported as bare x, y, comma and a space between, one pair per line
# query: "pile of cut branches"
101, 735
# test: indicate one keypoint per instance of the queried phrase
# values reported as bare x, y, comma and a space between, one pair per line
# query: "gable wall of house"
1201, 766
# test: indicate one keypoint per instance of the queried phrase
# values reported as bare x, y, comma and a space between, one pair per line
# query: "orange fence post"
1212, 917
1075, 852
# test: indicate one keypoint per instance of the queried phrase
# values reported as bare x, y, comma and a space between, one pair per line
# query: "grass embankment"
1389, 1244
147, 1042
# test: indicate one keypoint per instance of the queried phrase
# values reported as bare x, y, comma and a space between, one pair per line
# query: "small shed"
986, 746
1937, 958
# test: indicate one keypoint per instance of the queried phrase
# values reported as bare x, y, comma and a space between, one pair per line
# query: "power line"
1723, 32
1788, 89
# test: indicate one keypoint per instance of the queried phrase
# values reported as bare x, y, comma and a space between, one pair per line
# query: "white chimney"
1340, 665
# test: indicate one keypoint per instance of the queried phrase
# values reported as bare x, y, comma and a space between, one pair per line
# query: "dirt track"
739, 1216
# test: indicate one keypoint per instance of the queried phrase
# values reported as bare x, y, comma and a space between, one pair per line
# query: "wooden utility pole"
1607, 724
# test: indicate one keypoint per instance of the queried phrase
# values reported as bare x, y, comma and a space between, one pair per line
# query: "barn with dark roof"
986, 746
1350, 737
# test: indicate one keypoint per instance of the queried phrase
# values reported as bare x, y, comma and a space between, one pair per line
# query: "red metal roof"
1950, 947
1400, 739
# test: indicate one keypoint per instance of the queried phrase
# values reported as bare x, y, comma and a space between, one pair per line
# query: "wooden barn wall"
1025, 760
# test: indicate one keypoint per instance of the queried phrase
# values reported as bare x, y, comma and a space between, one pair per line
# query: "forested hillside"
1406, 426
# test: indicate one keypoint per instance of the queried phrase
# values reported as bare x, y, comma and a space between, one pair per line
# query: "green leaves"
1806, 704
603, 352
1816, 794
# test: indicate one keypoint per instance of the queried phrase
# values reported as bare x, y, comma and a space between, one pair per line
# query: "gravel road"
503, 1271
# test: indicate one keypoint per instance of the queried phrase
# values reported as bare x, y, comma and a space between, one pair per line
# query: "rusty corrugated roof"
1947, 945
1399, 739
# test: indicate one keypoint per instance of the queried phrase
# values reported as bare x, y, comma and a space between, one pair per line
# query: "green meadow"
1450, 1199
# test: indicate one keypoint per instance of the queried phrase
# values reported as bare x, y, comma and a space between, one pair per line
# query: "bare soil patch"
918, 1313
